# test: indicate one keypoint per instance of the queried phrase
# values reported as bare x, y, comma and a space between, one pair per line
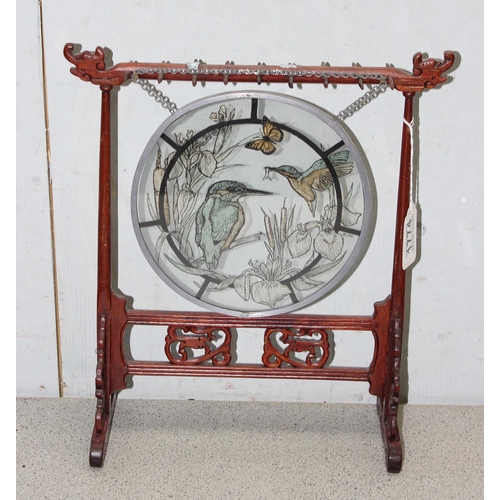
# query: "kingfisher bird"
220, 218
316, 178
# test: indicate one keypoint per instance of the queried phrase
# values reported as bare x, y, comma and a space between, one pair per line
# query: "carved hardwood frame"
188, 331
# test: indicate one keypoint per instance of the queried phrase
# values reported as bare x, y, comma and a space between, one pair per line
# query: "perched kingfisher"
220, 218
316, 178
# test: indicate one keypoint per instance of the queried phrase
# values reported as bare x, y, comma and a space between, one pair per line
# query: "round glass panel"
252, 203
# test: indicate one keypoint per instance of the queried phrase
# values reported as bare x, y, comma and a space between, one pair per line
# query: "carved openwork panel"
285, 345
183, 343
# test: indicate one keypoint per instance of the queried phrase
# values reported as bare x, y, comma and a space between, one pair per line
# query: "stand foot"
392, 444
99, 441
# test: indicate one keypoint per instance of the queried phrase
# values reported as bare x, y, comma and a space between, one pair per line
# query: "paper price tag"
410, 236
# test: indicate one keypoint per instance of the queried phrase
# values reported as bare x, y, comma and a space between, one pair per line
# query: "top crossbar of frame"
426, 74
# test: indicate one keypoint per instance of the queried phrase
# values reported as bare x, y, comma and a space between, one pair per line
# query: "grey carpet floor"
246, 450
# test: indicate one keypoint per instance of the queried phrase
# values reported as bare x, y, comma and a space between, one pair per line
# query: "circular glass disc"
252, 203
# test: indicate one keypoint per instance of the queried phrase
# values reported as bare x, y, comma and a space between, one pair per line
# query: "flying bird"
220, 218
316, 178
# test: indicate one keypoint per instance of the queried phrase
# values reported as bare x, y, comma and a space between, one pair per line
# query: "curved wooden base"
392, 445
99, 441
393, 456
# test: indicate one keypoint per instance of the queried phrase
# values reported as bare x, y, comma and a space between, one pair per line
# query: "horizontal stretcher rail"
311, 321
247, 371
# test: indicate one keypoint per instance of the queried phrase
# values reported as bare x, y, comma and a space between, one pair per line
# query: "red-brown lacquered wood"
388, 403
104, 411
374, 374
355, 323
99, 440
377, 324
380, 330
111, 314
91, 67
248, 371
182, 340
300, 340
118, 361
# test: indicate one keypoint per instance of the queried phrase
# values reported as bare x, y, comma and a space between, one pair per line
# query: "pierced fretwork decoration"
297, 341
180, 347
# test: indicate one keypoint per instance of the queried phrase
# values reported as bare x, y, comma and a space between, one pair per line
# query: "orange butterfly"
271, 134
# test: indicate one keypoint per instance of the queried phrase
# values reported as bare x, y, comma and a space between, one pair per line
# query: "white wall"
444, 345
36, 362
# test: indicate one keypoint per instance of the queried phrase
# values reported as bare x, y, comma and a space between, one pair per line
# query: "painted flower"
224, 114
193, 157
262, 282
321, 235
328, 243
300, 241
348, 217
222, 134
183, 198
269, 293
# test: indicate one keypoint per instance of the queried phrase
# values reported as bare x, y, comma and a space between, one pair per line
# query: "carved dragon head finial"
432, 70
91, 66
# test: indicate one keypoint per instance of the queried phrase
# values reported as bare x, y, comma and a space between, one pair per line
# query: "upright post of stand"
388, 404
111, 368
105, 401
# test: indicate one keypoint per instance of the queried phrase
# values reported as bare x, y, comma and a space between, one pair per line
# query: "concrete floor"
246, 450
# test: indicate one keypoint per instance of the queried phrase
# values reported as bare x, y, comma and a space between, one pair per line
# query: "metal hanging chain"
154, 92
362, 101
347, 112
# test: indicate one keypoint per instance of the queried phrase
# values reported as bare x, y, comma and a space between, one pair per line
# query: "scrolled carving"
296, 342
432, 70
182, 340
100, 376
396, 383
91, 66
427, 73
